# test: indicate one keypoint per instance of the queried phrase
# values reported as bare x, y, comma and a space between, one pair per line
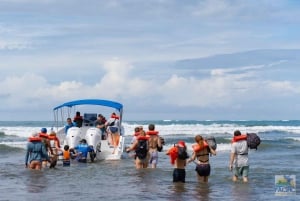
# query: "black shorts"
203, 170
179, 175
66, 162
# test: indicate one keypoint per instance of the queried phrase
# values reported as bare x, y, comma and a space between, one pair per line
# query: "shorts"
153, 157
179, 175
66, 163
203, 170
241, 171
113, 129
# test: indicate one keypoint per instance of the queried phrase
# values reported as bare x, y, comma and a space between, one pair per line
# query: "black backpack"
182, 153
142, 149
253, 140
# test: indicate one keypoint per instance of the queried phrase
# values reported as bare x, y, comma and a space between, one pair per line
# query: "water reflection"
36, 181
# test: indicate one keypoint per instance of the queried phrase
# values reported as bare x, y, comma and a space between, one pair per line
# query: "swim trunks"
179, 175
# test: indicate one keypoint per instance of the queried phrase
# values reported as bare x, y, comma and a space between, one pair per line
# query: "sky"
162, 59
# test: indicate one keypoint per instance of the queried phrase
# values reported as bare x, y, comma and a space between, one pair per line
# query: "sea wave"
15, 135
11, 148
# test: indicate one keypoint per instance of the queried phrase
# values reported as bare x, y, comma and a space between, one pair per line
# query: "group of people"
147, 144
110, 129
43, 149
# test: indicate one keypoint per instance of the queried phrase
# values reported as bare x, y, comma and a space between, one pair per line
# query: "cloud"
61, 50
222, 88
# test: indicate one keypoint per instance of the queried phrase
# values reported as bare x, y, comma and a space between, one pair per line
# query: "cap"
181, 143
44, 130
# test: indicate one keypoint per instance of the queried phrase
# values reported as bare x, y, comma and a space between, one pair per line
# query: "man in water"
82, 151
239, 157
35, 152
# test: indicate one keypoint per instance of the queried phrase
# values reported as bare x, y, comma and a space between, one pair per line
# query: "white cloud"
66, 48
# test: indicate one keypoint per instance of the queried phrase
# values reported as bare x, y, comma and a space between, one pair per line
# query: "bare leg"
113, 142
35, 165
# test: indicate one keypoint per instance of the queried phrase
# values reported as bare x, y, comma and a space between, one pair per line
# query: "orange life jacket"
239, 138
67, 155
136, 133
34, 139
152, 132
44, 135
115, 116
173, 153
197, 148
142, 138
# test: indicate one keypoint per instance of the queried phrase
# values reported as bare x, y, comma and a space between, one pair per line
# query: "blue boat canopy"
106, 103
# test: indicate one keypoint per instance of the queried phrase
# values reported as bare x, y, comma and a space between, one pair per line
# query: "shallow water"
278, 154
119, 180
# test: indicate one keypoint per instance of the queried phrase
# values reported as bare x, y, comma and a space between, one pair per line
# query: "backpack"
253, 140
182, 154
162, 140
142, 149
211, 142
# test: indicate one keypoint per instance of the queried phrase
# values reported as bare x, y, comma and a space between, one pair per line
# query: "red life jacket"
43, 135
142, 138
173, 153
34, 139
152, 132
115, 116
196, 147
239, 138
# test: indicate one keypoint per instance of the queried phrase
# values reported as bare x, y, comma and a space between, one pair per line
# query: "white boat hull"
93, 137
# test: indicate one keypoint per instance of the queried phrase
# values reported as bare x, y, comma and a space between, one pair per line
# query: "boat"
88, 131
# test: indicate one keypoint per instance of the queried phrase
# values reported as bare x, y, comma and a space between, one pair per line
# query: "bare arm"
213, 152
232, 156
132, 147
192, 158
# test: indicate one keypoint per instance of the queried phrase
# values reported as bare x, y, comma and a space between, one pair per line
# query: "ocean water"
278, 154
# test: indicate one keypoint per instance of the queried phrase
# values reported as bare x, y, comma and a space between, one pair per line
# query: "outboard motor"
73, 137
93, 137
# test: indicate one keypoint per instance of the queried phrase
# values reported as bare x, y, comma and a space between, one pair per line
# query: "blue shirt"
67, 126
84, 149
36, 151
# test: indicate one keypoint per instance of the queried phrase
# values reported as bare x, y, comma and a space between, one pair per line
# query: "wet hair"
199, 139
142, 133
136, 129
66, 147
237, 133
151, 127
